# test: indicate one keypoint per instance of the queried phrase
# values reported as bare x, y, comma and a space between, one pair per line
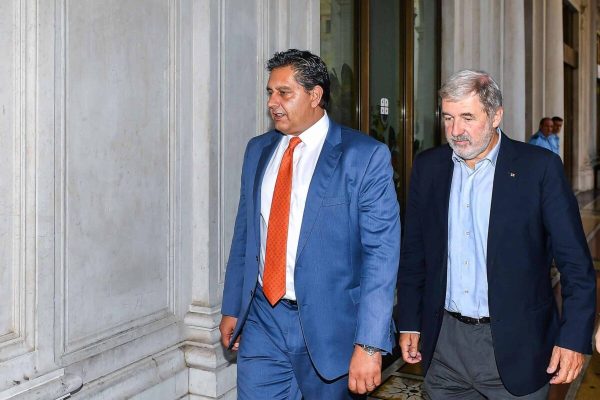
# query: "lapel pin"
512, 174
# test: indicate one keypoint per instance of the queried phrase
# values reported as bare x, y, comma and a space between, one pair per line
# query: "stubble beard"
469, 154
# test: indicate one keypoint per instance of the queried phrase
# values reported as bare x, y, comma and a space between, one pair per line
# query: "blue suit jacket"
348, 250
533, 209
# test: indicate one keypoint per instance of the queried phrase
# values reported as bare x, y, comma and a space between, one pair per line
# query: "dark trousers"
273, 360
464, 366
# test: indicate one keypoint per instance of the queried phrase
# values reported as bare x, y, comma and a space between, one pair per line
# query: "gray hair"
466, 82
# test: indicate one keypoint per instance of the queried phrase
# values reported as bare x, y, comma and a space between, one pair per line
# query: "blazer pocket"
335, 201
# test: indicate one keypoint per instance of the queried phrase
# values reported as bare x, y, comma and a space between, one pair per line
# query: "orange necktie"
277, 232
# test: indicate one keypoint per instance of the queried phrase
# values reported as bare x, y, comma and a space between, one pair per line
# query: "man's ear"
498, 117
316, 94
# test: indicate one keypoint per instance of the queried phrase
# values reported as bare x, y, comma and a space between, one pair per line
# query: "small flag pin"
512, 174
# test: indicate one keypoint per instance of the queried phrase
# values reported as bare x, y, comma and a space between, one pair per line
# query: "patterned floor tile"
400, 387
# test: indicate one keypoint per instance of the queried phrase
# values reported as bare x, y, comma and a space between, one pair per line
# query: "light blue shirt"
550, 142
468, 222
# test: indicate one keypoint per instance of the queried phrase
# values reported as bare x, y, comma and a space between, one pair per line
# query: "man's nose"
272, 101
456, 129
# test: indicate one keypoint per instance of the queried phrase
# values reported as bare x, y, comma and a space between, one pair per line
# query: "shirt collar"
541, 135
316, 133
492, 156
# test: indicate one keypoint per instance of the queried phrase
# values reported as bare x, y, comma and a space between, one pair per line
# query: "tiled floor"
404, 382
401, 381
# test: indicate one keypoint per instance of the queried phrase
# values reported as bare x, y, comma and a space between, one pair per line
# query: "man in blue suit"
473, 284
310, 280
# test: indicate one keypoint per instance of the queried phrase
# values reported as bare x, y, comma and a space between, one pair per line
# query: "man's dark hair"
309, 70
557, 118
544, 119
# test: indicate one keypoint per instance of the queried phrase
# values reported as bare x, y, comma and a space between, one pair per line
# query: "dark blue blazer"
348, 249
533, 210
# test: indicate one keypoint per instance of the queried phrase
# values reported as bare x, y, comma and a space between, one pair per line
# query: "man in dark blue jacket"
473, 284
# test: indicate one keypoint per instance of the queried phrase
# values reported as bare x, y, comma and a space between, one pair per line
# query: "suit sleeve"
379, 223
234, 275
411, 275
563, 223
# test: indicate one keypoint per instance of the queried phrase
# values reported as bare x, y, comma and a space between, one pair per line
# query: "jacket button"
257, 258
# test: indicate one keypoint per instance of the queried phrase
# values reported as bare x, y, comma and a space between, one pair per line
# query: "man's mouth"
461, 140
277, 115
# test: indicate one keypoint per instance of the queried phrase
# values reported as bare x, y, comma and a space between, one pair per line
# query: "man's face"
468, 129
556, 126
546, 127
292, 108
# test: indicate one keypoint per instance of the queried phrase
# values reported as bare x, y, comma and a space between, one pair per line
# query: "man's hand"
364, 372
409, 345
226, 327
568, 363
597, 338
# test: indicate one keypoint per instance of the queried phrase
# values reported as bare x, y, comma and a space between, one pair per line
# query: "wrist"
370, 350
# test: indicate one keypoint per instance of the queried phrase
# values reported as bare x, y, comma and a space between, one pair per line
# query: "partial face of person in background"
556, 126
546, 126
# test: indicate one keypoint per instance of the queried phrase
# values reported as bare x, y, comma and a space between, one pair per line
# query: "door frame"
406, 56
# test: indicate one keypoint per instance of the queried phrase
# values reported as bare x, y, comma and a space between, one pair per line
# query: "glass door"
386, 84
340, 51
383, 57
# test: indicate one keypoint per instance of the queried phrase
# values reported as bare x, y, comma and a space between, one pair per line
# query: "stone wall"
123, 130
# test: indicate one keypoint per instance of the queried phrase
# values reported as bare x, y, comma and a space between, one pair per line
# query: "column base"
213, 371
54, 385
585, 179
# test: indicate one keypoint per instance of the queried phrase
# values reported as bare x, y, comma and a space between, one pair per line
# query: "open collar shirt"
468, 222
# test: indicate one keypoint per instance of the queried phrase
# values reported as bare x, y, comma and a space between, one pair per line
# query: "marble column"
513, 69
553, 89
226, 100
489, 35
585, 137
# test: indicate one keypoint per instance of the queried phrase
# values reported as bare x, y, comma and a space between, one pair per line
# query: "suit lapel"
446, 168
266, 154
504, 185
328, 160
442, 203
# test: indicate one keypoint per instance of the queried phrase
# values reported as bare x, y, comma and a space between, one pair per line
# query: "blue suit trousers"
273, 360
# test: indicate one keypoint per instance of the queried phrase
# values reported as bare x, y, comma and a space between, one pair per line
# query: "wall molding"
20, 338
138, 377
73, 349
54, 385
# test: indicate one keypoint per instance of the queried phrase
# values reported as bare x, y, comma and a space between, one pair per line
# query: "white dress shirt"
306, 155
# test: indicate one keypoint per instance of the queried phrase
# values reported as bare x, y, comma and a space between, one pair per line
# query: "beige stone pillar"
489, 35
585, 137
553, 90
